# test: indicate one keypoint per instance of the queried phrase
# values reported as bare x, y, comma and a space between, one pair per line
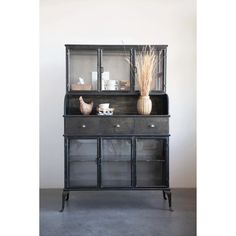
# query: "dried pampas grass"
146, 62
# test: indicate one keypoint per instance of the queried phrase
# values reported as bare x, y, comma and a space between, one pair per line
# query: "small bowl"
104, 105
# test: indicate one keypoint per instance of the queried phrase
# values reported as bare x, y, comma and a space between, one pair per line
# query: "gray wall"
113, 22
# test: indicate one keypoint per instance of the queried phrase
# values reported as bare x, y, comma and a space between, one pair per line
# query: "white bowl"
104, 105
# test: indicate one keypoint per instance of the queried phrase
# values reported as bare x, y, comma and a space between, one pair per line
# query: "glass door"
115, 70
82, 70
82, 162
158, 78
115, 162
150, 162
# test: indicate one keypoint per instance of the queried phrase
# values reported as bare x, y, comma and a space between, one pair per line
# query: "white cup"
112, 84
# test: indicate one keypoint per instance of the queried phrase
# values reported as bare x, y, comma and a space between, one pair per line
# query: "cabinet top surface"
117, 116
112, 46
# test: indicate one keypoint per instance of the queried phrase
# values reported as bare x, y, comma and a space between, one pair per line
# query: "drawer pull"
152, 126
83, 126
117, 126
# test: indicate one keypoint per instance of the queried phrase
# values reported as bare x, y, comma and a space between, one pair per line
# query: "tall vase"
144, 105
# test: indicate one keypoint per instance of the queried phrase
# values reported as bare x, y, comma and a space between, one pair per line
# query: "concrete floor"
118, 213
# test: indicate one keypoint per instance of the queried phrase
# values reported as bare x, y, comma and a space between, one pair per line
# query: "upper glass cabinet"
110, 68
115, 68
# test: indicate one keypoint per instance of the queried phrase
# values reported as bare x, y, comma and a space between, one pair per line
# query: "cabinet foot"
164, 195
65, 195
168, 193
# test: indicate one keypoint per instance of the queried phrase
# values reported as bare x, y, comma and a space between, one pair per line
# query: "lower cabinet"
109, 162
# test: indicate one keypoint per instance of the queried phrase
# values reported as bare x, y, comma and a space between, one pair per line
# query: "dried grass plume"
146, 62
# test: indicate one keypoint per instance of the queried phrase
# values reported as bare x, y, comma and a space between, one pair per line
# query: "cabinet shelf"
150, 160
78, 160
123, 104
115, 156
120, 160
82, 156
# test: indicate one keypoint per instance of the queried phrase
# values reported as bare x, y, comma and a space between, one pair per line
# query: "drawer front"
113, 126
82, 125
152, 125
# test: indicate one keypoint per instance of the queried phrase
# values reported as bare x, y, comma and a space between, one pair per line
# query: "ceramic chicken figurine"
85, 108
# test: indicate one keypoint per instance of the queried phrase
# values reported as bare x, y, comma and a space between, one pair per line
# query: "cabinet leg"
168, 193
164, 195
67, 196
64, 195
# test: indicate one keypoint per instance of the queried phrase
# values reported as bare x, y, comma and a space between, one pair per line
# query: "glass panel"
116, 174
82, 162
83, 174
83, 149
149, 173
116, 150
82, 70
158, 80
150, 149
116, 162
116, 75
150, 162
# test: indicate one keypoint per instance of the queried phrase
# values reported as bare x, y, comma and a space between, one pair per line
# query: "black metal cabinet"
125, 151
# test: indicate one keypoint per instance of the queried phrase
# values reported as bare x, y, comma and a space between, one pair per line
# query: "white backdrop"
116, 22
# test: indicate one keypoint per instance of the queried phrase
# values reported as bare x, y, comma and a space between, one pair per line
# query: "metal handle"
117, 126
83, 126
152, 126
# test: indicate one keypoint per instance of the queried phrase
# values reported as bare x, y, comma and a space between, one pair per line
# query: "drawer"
151, 125
113, 125
82, 125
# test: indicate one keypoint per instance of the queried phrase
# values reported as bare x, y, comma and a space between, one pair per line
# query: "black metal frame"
132, 49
